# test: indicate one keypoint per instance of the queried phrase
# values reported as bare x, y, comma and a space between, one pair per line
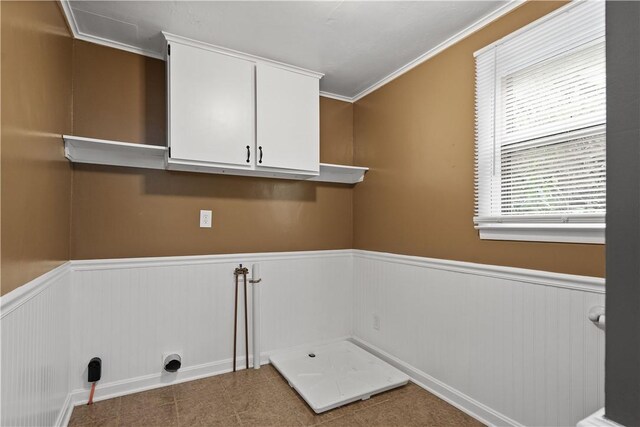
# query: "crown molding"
336, 96
77, 34
479, 24
173, 38
118, 45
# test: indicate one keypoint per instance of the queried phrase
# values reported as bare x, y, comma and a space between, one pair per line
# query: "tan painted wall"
120, 212
118, 95
417, 136
36, 110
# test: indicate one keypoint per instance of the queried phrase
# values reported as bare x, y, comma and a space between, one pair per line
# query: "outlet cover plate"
206, 219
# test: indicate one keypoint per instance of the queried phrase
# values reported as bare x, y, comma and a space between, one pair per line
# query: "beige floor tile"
308, 417
85, 414
146, 400
264, 398
192, 389
384, 414
270, 372
153, 416
345, 421
426, 406
105, 422
245, 377
244, 396
205, 411
109, 422
271, 412
417, 408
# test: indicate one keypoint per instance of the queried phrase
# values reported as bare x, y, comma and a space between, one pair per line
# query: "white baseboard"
65, 412
190, 373
149, 382
450, 395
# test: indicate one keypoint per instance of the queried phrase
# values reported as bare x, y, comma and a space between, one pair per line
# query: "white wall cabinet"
288, 119
228, 110
211, 107
229, 113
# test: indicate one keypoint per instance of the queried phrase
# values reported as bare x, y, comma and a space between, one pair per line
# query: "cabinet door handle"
260, 160
248, 153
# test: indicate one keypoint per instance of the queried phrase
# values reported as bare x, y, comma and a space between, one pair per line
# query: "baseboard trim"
190, 373
65, 412
449, 394
149, 382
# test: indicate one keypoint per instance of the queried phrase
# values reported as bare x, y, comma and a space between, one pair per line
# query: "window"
540, 130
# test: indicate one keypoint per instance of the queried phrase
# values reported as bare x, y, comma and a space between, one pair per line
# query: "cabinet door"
211, 107
288, 114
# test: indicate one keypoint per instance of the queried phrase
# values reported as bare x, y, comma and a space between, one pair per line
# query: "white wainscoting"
130, 312
511, 346
35, 351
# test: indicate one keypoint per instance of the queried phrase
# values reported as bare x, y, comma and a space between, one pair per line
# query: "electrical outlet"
206, 218
376, 322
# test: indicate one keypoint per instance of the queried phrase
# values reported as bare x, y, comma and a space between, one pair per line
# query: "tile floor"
263, 398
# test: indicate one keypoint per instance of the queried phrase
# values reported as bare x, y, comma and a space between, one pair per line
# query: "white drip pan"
332, 375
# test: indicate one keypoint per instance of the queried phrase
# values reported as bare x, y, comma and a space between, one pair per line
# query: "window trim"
592, 233
585, 229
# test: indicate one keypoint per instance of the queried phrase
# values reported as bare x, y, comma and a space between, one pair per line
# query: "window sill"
537, 232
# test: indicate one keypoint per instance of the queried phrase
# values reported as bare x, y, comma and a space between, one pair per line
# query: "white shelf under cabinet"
116, 153
340, 173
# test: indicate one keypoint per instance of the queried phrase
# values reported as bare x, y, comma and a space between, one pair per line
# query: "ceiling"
355, 44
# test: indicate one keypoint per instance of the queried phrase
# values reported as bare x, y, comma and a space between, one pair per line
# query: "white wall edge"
450, 395
65, 412
189, 373
476, 26
102, 264
536, 277
24, 293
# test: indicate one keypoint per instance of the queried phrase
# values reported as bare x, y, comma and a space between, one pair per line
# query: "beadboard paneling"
35, 351
511, 346
521, 346
130, 312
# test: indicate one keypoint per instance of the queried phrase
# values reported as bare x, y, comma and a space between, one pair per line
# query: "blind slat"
540, 120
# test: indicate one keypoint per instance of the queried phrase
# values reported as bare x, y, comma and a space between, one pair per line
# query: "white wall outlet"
206, 219
376, 322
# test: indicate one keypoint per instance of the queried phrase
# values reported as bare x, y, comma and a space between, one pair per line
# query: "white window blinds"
540, 129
